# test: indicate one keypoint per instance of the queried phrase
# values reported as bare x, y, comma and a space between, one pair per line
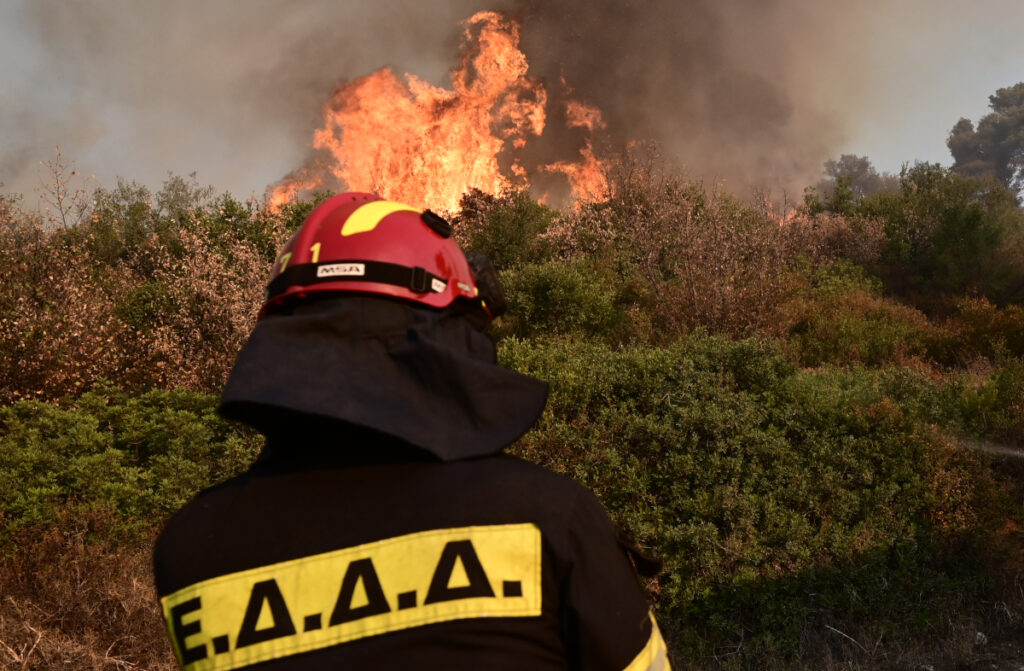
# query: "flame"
587, 177
407, 140
583, 116
783, 213
285, 193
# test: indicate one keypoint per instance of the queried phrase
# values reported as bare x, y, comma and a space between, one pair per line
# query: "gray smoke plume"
231, 90
716, 83
752, 93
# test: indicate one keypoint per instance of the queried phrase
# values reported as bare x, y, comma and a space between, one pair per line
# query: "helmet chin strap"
415, 279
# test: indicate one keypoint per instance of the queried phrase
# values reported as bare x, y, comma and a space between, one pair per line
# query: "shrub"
782, 501
696, 258
146, 306
839, 317
705, 259
566, 298
510, 229
140, 458
990, 407
981, 329
146, 295
947, 235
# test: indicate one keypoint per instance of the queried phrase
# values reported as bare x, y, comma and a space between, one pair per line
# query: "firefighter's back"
327, 557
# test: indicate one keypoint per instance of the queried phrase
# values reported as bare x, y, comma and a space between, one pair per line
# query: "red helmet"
358, 242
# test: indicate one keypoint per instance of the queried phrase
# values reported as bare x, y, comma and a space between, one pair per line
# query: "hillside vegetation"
799, 415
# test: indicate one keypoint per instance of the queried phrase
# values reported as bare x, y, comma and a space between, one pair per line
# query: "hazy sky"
233, 90
927, 70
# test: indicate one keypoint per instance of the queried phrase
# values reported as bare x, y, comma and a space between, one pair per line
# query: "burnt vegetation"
785, 406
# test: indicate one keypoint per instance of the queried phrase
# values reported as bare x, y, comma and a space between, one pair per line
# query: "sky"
923, 81
232, 91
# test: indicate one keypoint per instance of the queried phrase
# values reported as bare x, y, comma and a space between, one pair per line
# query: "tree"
995, 149
864, 180
67, 205
847, 181
948, 235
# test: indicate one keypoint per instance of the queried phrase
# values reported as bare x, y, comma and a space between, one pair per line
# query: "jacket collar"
425, 377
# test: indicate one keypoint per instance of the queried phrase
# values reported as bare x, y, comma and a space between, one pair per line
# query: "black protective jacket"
344, 547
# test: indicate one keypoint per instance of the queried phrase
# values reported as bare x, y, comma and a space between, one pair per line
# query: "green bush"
841, 318
991, 407
565, 298
140, 458
510, 230
781, 500
948, 235
146, 306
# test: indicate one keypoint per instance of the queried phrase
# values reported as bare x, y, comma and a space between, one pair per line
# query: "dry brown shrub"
215, 300
708, 259
474, 206
57, 331
827, 237
68, 204
68, 318
66, 603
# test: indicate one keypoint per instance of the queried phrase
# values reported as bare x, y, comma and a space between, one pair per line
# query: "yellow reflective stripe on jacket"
366, 217
654, 656
322, 600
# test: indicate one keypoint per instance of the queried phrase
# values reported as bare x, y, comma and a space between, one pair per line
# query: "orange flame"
285, 193
410, 141
587, 178
583, 116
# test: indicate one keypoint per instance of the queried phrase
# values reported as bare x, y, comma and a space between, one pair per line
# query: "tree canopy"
995, 149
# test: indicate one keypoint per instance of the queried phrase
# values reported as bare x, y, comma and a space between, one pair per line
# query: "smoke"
720, 85
230, 90
752, 93
758, 94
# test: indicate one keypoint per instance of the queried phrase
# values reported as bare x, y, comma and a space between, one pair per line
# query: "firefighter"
382, 527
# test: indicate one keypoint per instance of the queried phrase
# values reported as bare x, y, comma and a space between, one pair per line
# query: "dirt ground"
1002, 653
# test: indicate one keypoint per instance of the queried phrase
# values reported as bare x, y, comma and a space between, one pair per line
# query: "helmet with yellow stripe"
360, 243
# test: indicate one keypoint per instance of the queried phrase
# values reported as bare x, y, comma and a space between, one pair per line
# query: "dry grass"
842, 648
70, 604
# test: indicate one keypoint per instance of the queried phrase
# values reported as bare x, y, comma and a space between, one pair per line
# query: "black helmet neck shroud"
427, 377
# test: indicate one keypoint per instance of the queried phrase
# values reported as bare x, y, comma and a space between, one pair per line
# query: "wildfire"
587, 177
407, 140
